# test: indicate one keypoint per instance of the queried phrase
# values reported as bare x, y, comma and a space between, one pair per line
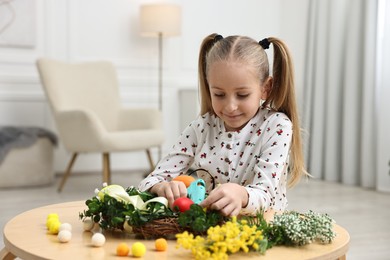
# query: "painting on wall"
17, 23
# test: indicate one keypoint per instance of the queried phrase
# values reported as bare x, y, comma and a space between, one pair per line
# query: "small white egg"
65, 226
98, 239
64, 236
88, 224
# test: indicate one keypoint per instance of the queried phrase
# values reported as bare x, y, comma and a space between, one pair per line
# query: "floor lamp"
160, 20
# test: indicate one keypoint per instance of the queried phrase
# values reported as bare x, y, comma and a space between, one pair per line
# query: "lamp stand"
160, 70
160, 80
163, 20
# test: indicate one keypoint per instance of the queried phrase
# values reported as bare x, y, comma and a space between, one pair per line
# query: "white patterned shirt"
255, 157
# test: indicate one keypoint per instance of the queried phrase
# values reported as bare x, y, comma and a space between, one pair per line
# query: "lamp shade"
162, 19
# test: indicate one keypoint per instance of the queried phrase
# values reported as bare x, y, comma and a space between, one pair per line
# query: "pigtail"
282, 92
282, 98
205, 47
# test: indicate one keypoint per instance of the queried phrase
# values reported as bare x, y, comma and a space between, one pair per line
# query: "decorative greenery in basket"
205, 232
144, 214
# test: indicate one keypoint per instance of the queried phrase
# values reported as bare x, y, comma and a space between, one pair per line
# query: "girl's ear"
266, 88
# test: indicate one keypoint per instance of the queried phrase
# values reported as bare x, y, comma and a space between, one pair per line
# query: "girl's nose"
231, 105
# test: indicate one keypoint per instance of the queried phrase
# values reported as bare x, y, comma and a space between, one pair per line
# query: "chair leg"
150, 159
106, 168
67, 172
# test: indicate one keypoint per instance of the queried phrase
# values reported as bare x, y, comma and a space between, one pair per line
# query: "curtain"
383, 96
338, 112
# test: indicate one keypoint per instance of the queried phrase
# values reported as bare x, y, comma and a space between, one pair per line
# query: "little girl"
247, 130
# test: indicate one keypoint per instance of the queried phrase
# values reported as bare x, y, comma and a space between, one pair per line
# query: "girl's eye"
219, 95
243, 95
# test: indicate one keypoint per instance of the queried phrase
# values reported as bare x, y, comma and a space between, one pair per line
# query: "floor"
364, 213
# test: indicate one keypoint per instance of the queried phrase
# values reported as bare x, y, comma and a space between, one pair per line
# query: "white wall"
293, 27
74, 30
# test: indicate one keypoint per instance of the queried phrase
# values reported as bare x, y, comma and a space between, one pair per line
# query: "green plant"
112, 213
254, 233
231, 237
199, 220
292, 228
289, 228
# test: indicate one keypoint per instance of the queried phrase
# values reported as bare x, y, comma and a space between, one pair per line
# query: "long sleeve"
176, 162
268, 188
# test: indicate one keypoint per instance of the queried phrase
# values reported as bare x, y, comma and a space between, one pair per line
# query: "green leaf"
198, 220
263, 246
96, 218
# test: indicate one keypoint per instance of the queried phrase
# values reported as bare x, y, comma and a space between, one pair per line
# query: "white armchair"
85, 101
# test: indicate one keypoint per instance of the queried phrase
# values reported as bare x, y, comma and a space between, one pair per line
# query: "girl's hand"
171, 190
228, 198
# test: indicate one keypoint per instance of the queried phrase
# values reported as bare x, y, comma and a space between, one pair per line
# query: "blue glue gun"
197, 191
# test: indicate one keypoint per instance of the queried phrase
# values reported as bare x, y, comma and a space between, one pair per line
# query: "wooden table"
26, 237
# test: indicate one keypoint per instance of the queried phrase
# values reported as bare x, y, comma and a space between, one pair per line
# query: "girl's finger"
168, 194
182, 190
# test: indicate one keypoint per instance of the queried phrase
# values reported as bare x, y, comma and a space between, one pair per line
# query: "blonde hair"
281, 97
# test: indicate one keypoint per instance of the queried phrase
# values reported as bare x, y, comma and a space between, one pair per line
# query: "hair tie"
264, 43
217, 38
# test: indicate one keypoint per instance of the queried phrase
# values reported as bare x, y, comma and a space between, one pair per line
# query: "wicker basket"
164, 227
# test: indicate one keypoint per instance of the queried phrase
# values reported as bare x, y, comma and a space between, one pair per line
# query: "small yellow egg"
138, 249
54, 226
52, 215
49, 221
